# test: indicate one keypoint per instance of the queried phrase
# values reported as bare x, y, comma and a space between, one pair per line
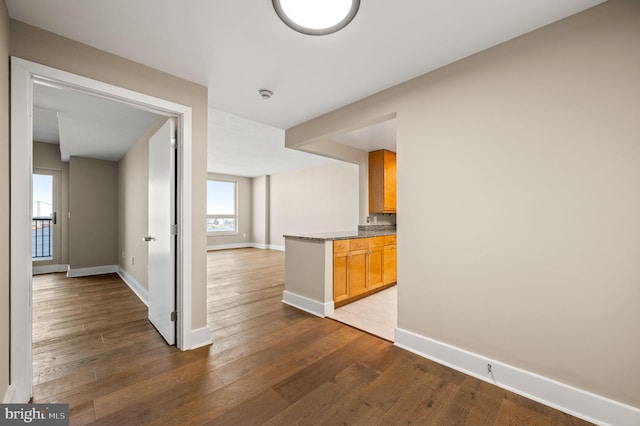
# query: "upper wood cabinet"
382, 181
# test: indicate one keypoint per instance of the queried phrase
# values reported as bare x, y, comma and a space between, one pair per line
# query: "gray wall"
519, 187
93, 206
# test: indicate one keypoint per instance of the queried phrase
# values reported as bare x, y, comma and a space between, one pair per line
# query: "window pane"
217, 224
42, 195
221, 197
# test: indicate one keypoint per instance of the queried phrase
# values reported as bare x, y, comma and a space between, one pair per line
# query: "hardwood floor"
269, 363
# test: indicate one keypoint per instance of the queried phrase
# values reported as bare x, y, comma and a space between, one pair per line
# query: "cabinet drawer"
389, 240
375, 242
358, 243
340, 246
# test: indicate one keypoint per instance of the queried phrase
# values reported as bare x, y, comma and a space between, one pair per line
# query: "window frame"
234, 216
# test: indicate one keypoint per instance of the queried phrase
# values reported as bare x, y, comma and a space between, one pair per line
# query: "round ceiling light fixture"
316, 17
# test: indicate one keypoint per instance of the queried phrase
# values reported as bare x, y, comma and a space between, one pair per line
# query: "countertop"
343, 235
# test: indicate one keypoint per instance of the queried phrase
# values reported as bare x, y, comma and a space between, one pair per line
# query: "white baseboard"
308, 305
49, 269
135, 286
229, 246
96, 270
245, 245
200, 337
8, 395
577, 402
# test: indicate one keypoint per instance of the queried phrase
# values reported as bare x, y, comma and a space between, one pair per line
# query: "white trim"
49, 269
8, 395
22, 74
200, 337
308, 305
245, 245
135, 286
229, 246
94, 270
571, 400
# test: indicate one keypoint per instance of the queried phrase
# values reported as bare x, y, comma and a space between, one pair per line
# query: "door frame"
23, 73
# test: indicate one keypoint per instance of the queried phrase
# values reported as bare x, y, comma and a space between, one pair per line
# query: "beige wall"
93, 206
318, 199
133, 207
46, 48
244, 206
47, 156
4, 200
260, 211
519, 200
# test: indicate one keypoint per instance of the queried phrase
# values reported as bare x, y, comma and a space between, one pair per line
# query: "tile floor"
376, 314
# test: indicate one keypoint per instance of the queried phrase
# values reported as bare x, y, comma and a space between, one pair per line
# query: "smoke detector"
265, 94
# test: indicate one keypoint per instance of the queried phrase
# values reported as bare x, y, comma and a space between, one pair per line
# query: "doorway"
24, 73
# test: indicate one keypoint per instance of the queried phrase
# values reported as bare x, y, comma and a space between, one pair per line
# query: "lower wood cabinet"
362, 266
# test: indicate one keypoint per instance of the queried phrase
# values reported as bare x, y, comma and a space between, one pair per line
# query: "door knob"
148, 239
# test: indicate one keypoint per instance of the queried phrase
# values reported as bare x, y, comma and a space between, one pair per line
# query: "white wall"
519, 187
318, 199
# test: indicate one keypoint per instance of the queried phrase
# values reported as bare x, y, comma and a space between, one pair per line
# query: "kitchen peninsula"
327, 270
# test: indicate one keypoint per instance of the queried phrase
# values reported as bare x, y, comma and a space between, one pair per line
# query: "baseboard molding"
245, 245
135, 286
200, 337
229, 246
49, 269
308, 305
96, 270
577, 402
8, 395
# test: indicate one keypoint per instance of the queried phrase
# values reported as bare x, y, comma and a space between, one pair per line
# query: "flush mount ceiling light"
316, 17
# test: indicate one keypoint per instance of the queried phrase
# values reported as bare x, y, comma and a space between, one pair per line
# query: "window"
222, 218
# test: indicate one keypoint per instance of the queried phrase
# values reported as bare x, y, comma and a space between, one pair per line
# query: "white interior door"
162, 231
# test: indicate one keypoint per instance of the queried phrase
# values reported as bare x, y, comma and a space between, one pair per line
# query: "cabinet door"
340, 276
382, 182
358, 270
390, 268
376, 267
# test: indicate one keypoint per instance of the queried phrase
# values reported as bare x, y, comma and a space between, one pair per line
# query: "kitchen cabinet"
390, 260
340, 270
382, 181
360, 267
376, 262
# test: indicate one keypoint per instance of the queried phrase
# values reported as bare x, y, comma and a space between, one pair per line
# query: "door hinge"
174, 229
174, 316
174, 144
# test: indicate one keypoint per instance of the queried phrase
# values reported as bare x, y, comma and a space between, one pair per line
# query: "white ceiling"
237, 47
85, 125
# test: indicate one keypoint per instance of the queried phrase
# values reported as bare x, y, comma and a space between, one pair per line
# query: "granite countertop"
363, 232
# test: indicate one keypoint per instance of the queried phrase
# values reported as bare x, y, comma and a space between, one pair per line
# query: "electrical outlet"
133, 260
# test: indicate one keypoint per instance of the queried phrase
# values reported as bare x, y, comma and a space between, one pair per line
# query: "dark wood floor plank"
269, 363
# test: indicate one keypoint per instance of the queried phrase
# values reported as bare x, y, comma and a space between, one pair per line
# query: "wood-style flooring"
269, 363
